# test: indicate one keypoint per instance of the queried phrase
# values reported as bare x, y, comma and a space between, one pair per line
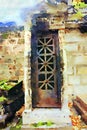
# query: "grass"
39, 124
18, 126
5, 35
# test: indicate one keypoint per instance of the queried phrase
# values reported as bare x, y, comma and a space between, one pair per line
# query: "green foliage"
5, 35
2, 82
18, 126
48, 123
2, 98
79, 5
77, 16
14, 128
4, 85
19, 123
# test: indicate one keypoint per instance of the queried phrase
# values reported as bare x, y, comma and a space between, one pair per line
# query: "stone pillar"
27, 75
64, 89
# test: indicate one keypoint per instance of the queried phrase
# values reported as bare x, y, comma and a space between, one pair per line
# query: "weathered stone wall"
76, 53
12, 55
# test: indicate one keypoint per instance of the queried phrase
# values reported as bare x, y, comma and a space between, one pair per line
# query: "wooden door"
45, 74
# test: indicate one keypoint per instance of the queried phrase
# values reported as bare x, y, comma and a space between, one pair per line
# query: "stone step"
61, 128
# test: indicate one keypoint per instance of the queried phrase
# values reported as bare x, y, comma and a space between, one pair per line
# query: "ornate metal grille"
46, 63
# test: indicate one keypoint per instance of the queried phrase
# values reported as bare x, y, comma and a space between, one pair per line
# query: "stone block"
26, 116
72, 80
84, 79
20, 61
21, 41
70, 60
75, 36
85, 48
82, 70
71, 47
56, 22
8, 60
80, 47
4, 72
80, 60
3, 67
80, 90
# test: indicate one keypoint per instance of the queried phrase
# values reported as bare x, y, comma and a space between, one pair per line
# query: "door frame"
34, 36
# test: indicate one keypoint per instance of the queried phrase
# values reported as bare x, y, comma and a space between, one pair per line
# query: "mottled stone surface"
12, 56
76, 53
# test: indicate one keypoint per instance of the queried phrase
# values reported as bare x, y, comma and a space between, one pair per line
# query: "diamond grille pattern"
46, 63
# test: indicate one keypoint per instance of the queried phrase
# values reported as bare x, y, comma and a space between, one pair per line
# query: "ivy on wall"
79, 5
78, 11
